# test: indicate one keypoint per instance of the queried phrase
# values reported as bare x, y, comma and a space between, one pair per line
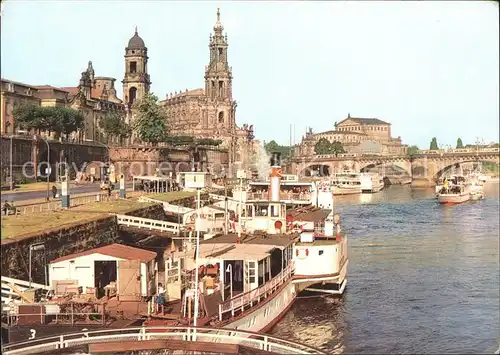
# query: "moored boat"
346, 183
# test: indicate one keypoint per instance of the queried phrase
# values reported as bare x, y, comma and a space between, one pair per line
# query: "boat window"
274, 211
249, 211
261, 211
320, 252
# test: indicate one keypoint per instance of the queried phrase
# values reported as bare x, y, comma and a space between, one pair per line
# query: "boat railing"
248, 299
257, 342
146, 223
295, 196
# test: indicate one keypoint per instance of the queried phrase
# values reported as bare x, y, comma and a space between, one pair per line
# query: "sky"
431, 69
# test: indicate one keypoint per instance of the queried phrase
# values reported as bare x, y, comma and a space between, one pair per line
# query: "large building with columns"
357, 135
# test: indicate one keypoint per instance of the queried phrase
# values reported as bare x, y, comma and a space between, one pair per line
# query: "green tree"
27, 117
150, 123
51, 119
273, 147
412, 150
336, 148
460, 144
114, 125
434, 144
323, 146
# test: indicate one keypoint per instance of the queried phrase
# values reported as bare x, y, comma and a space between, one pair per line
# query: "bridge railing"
146, 223
257, 342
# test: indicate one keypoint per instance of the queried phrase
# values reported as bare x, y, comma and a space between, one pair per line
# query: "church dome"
136, 42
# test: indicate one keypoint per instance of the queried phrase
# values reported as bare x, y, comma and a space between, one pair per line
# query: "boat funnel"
275, 159
275, 177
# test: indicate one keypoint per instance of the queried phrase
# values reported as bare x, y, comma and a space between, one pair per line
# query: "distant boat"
454, 191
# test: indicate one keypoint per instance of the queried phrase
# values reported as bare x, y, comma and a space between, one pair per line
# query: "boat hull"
476, 196
333, 284
453, 199
263, 317
338, 191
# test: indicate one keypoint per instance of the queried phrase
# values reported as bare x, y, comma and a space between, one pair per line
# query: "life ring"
278, 224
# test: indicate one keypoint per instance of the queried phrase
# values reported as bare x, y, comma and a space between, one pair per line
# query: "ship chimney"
275, 177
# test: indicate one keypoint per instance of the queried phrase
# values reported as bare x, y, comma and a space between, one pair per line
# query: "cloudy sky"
429, 68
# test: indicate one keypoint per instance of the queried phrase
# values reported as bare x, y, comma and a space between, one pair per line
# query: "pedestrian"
160, 299
54, 191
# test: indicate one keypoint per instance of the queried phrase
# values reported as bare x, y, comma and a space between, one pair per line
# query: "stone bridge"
427, 166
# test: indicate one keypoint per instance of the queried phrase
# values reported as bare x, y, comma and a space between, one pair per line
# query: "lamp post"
230, 271
36, 247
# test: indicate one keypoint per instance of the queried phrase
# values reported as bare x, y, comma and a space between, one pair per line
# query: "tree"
459, 143
51, 119
412, 150
27, 117
273, 147
150, 123
337, 148
114, 125
434, 144
323, 147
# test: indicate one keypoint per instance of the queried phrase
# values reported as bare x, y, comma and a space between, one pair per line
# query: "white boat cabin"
291, 192
264, 216
232, 269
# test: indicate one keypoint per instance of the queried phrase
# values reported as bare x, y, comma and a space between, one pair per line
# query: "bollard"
65, 200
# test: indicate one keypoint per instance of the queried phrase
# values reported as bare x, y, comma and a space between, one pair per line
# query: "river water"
422, 278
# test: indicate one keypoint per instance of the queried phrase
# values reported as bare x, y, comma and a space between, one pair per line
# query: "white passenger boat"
454, 192
371, 182
346, 183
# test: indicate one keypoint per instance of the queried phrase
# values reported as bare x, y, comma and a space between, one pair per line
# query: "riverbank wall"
85, 235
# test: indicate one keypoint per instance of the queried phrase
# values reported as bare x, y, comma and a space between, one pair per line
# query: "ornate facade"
357, 135
210, 112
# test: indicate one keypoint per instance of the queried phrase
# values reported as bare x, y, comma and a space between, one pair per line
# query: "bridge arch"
317, 169
456, 166
395, 168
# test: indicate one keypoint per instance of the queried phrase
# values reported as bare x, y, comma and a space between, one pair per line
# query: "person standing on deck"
160, 299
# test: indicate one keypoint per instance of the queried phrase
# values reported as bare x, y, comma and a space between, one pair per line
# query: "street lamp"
230, 271
36, 247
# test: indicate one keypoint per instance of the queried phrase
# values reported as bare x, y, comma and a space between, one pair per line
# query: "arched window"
221, 117
132, 95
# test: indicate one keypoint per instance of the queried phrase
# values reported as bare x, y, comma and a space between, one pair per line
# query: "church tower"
219, 77
136, 81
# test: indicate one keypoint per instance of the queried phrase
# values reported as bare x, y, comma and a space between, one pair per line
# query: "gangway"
13, 291
151, 224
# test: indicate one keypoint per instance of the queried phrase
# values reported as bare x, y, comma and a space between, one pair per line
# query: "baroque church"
208, 112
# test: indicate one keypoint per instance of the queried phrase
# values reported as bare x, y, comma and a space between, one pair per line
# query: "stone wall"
30, 154
63, 241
